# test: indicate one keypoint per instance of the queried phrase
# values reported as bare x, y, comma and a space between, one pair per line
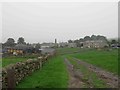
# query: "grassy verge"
52, 75
89, 76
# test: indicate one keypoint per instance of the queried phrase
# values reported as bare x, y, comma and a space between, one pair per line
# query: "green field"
52, 75
107, 60
14, 59
67, 50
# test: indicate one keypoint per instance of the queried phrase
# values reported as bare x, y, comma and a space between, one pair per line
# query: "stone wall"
14, 73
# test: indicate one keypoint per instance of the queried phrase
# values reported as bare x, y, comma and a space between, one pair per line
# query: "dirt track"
76, 76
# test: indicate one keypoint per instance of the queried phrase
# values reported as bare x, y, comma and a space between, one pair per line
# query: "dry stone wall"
13, 74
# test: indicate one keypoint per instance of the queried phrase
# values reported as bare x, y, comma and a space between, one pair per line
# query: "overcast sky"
45, 21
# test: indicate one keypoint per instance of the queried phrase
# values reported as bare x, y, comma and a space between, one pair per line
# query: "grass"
89, 76
14, 59
104, 59
107, 60
52, 75
67, 50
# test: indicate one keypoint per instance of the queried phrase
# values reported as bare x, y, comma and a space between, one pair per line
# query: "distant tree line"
11, 43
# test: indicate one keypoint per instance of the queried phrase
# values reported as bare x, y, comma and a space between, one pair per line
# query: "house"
47, 45
33, 45
26, 48
80, 44
7, 50
21, 46
94, 44
72, 45
63, 44
20, 49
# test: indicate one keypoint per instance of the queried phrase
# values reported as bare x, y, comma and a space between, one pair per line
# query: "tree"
119, 41
70, 41
10, 42
21, 41
81, 40
113, 42
93, 37
77, 43
38, 46
86, 38
103, 38
28, 44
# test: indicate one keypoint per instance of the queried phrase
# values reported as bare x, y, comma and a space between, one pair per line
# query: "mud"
108, 77
75, 77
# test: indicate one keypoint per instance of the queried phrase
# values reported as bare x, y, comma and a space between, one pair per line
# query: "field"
95, 82
107, 60
52, 75
14, 59
57, 72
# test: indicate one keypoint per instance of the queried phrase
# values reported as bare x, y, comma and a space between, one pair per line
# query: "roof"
22, 46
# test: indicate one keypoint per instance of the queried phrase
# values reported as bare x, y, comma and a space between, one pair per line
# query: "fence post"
11, 78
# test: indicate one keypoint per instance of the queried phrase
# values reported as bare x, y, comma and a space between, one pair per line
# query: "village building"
20, 49
47, 45
63, 44
24, 48
95, 44
33, 45
72, 45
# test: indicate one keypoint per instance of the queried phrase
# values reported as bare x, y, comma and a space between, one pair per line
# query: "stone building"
63, 44
72, 45
47, 45
95, 44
